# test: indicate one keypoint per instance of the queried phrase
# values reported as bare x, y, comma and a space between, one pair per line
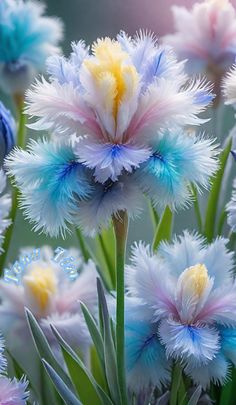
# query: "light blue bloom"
51, 181
190, 291
146, 362
27, 38
7, 132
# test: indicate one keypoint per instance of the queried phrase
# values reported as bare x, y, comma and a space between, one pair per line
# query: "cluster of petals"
205, 35
46, 288
27, 38
117, 117
182, 307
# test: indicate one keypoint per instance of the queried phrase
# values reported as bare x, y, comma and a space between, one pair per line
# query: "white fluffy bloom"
5, 205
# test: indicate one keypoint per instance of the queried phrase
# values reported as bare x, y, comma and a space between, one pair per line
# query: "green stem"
120, 223
197, 209
164, 228
108, 261
176, 379
84, 250
15, 193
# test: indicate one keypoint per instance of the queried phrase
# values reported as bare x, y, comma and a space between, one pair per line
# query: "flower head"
5, 206
27, 38
205, 35
7, 132
116, 99
52, 287
229, 87
191, 294
13, 392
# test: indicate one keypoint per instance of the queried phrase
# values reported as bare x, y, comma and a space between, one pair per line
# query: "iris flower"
27, 38
189, 292
116, 116
5, 206
205, 35
48, 290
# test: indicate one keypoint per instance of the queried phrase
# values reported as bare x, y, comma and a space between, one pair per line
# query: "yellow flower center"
111, 71
196, 279
41, 283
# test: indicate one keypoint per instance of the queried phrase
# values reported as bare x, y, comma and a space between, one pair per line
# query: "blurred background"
89, 19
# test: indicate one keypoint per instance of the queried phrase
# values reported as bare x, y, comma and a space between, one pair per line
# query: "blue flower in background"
7, 132
27, 38
189, 293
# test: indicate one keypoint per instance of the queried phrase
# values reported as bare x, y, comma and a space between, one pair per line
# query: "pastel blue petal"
228, 343
191, 343
216, 371
178, 160
145, 357
186, 250
51, 182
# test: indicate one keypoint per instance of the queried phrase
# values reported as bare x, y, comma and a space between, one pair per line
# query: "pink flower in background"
205, 35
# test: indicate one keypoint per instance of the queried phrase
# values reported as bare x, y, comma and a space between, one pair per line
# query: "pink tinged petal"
57, 106
71, 327
194, 344
165, 104
13, 392
148, 279
220, 307
109, 160
216, 371
83, 289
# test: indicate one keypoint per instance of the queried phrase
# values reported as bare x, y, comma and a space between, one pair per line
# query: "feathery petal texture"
5, 206
205, 35
187, 297
27, 38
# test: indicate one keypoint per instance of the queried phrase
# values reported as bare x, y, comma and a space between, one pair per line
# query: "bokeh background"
89, 19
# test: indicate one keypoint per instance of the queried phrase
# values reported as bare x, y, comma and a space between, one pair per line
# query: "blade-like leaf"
94, 333
66, 394
101, 393
212, 205
109, 348
164, 229
195, 397
82, 383
44, 349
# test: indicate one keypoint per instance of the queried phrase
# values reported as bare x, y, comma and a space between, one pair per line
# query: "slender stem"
221, 222
84, 250
108, 261
120, 224
19, 100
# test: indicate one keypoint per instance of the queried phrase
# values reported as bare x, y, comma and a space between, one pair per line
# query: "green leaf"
48, 391
212, 204
94, 333
82, 383
96, 369
154, 215
109, 348
175, 384
44, 350
101, 393
66, 394
164, 229
195, 397
227, 396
